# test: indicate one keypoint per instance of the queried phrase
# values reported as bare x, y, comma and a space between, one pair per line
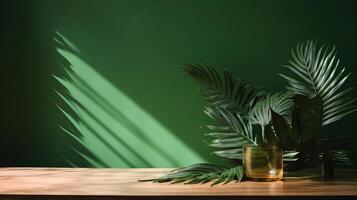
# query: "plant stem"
327, 167
263, 134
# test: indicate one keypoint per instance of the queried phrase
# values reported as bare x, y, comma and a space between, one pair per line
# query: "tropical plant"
318, 73
237, 106
236, 126
261, 113
291, 120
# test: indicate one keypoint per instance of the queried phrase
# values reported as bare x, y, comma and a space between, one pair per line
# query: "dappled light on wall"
117, 131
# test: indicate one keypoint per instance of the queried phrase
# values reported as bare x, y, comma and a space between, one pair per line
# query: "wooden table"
83, 183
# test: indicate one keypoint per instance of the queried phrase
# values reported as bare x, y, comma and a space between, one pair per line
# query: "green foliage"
307, 116
237, 107
261, 115
221, 90
290, 120
235, 133
321, 150
236, 127
305, 121
318, 73
279, 102
202, 173
302, 135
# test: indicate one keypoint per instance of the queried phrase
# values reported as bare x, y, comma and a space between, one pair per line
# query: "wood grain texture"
123, 183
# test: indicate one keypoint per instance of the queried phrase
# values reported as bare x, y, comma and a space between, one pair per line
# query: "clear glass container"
263, 163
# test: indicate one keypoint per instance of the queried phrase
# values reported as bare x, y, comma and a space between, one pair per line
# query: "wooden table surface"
84, 182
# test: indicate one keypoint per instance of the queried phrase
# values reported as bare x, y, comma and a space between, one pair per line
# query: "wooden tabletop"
124, 183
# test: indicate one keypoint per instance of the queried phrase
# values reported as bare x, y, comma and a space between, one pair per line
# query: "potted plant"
290, 120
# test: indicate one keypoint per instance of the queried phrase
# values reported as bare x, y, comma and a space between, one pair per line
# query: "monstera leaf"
303, 135
282, 130
261, 113
307, 116
305, 122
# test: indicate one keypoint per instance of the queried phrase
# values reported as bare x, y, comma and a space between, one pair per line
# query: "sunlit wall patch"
112, 126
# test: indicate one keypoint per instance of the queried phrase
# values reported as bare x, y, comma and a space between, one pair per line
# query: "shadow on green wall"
115, 130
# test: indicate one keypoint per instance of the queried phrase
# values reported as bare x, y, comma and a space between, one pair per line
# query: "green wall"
136, 49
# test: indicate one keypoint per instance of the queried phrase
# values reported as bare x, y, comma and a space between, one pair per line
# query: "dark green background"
139, 46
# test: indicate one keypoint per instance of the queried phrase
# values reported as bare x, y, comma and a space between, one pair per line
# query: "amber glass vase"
263, 163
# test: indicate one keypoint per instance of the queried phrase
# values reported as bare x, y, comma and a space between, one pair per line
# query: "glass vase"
263, 163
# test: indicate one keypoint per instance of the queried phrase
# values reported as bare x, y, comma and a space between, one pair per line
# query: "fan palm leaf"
318, 72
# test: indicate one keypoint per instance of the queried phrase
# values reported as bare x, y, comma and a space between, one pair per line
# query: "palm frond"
318, 72
290, 156
232, 136
280, 103
261, 113
220, 89
202, 173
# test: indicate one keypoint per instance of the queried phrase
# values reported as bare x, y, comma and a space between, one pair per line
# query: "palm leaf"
305, 124
261, 114
279, 102
318, 72
220, 89
232, 136
202, 173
